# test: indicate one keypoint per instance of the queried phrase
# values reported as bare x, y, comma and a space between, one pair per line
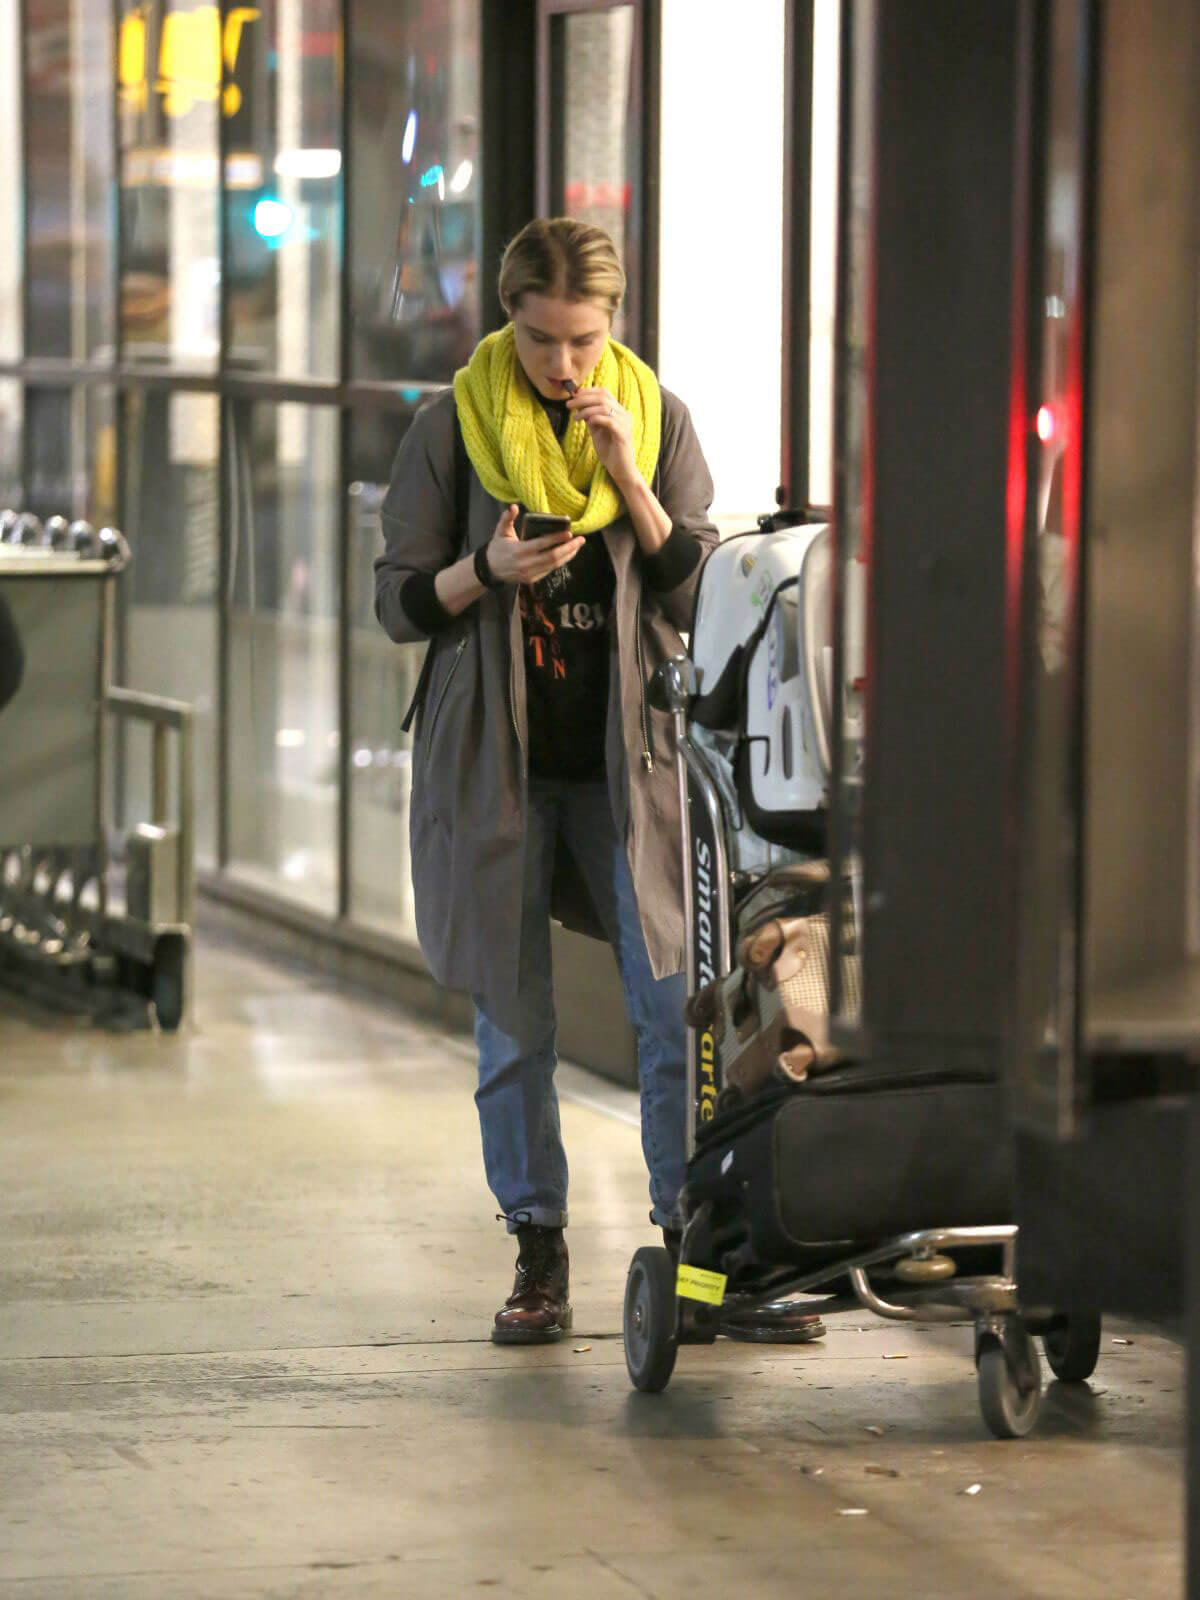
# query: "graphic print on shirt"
546, 617
565, 621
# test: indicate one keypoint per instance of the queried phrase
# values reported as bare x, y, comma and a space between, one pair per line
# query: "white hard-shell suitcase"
761, 643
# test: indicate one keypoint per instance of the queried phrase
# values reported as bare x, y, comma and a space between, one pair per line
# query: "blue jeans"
518, 1105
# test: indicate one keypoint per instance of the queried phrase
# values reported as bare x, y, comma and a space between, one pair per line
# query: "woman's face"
558, 339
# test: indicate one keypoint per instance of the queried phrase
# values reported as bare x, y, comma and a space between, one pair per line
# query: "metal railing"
165, 716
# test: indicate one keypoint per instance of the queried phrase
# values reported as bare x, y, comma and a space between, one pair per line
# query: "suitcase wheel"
1072, 1345
651, 1318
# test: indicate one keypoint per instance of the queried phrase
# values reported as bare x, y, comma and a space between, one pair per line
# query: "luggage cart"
72, 931
758, 1228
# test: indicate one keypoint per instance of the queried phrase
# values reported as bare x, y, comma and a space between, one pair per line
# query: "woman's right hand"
514, 560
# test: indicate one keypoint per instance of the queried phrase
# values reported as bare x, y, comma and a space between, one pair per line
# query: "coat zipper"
512, 695
437, 710
647, 753
512, 712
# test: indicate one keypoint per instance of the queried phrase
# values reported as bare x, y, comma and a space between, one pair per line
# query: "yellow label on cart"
694, 1283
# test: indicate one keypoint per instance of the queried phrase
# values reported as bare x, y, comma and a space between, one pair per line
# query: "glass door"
593, 141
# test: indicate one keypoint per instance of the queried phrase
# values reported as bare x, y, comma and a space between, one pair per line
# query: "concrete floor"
246, 1279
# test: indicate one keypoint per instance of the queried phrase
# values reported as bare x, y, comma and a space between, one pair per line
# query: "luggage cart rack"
660, 1315
725, 1274
93, 917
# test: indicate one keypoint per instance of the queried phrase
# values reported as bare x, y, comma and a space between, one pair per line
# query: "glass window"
592, 66
95, 432
11, 244
383, 678
69, 143
70, 458
49, 416
722, 178
283, 661
283, 188
414, 94
170, 465
12, 411
169, 72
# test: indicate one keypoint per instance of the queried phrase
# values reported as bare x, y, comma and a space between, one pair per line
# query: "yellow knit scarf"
515, 451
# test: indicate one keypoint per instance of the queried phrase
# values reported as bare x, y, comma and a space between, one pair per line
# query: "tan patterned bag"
770, 1015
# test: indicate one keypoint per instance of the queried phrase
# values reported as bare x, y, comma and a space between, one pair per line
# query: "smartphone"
535, 524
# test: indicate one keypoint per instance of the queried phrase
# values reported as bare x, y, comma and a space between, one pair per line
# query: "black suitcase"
833, 1167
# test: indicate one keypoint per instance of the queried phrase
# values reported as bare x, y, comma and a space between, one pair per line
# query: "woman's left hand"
611, 428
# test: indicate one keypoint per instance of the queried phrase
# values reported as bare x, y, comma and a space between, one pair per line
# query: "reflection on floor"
246, 1278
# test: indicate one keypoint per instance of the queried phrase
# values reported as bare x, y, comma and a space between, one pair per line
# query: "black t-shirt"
565, 620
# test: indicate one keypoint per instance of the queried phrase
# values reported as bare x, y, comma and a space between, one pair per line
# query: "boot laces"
538, 1255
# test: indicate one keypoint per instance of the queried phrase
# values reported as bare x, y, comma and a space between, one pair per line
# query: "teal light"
272, 218
431, 176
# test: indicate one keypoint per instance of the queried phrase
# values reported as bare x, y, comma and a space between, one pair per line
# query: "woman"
543, 780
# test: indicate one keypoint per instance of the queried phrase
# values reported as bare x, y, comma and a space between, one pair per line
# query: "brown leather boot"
539, 1309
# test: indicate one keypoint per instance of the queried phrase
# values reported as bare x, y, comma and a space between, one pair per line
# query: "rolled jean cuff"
534, 1216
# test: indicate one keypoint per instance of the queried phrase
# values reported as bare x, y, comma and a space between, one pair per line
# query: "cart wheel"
167, 981
650, 1319
1072, 1346
1009, 1411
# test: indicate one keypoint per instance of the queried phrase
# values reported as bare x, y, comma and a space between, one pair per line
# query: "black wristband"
482, 571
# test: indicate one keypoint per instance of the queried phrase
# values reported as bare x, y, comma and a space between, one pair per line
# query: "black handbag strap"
462, 512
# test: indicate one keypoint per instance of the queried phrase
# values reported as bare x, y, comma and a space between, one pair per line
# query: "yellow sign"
194, 54
696, 1283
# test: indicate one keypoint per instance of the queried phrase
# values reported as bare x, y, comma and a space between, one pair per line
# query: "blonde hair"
562, 257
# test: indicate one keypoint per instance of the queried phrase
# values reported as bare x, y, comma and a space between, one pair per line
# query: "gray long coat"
467, 816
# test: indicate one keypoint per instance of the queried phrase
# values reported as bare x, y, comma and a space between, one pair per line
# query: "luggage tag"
697, 1283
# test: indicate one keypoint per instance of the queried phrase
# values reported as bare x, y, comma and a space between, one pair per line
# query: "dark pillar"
938, 372
508, 45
